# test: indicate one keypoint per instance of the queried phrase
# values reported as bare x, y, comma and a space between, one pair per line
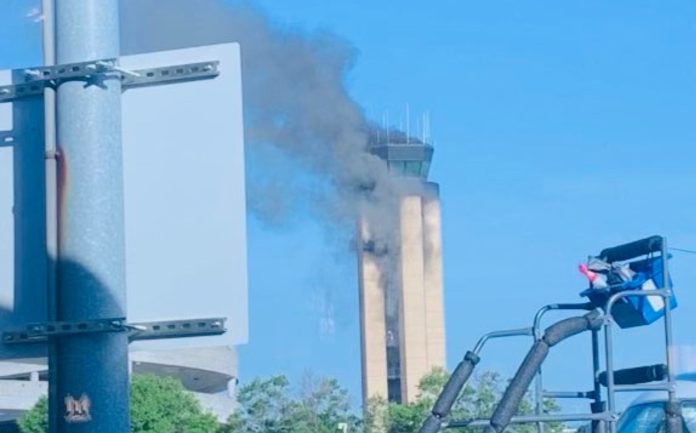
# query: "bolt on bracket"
38, 332
41, 332
177, 329
38, 79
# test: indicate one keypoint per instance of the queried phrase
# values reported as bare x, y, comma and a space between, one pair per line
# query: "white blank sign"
185, 202
185, 195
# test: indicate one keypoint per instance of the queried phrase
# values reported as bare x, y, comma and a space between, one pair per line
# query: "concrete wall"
372, 319
432, 281
413, 336
412, 273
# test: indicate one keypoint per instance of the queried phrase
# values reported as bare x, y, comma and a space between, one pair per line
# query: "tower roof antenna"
387, 123
408, 124
426, 126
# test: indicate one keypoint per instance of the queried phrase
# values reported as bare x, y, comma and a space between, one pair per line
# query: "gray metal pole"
674, 420
597, 403
539, 400
49, 58
609, 362
92, 374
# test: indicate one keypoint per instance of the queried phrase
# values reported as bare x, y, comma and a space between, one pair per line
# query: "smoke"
306, 138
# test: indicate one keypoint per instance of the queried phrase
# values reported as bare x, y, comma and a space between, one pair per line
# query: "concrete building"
400, 277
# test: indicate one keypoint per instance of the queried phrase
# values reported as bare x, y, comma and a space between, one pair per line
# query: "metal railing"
604, 417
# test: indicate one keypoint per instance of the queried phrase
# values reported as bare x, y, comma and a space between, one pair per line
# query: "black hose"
567, 328
518, 386
632, 249
632, 376
432, 424
554, 334
454, 385
450, 392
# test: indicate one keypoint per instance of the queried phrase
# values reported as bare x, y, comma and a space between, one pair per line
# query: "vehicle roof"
686, 390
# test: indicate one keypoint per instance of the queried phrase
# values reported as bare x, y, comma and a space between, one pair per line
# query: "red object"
592, 276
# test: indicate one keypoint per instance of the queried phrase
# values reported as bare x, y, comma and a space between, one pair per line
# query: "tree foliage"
158, 405
270, 406
322, 406
318, 405
35, 420
477, 400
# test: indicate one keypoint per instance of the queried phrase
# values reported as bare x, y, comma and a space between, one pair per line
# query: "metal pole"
538, 382
92, 376
539, 400
597, 404
49, 58
673, 402
609, 349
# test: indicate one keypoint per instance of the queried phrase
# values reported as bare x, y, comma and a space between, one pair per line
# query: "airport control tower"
401, 296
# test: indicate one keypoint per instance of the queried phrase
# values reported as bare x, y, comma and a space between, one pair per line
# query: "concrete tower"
401, 299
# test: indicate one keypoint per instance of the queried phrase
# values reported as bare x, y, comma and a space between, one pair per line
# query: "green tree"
477, 400
263, 407
270, 406
322, 405
158, 405
36, 420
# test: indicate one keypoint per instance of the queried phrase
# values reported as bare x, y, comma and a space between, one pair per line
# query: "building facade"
400, 278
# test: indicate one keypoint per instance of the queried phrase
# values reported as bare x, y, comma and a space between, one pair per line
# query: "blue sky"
560, 128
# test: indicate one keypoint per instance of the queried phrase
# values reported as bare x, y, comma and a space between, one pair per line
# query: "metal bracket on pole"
176, 329
6, 138
41, 332
37, 79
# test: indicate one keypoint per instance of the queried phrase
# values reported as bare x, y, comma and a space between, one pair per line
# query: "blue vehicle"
647, 415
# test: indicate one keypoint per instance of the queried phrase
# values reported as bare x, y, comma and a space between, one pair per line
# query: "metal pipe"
596, 367
528, 419
518, 386
611, 389
673, 406
51, 196
539, 381
568, 394
644, 387
597, 404
537, 320
609, 348
501, 334
642, 293
459, 377
584, 306
92, 368
539, 399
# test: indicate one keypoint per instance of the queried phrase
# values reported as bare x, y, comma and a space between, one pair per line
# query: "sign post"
71, 186
51, 195
91, 284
